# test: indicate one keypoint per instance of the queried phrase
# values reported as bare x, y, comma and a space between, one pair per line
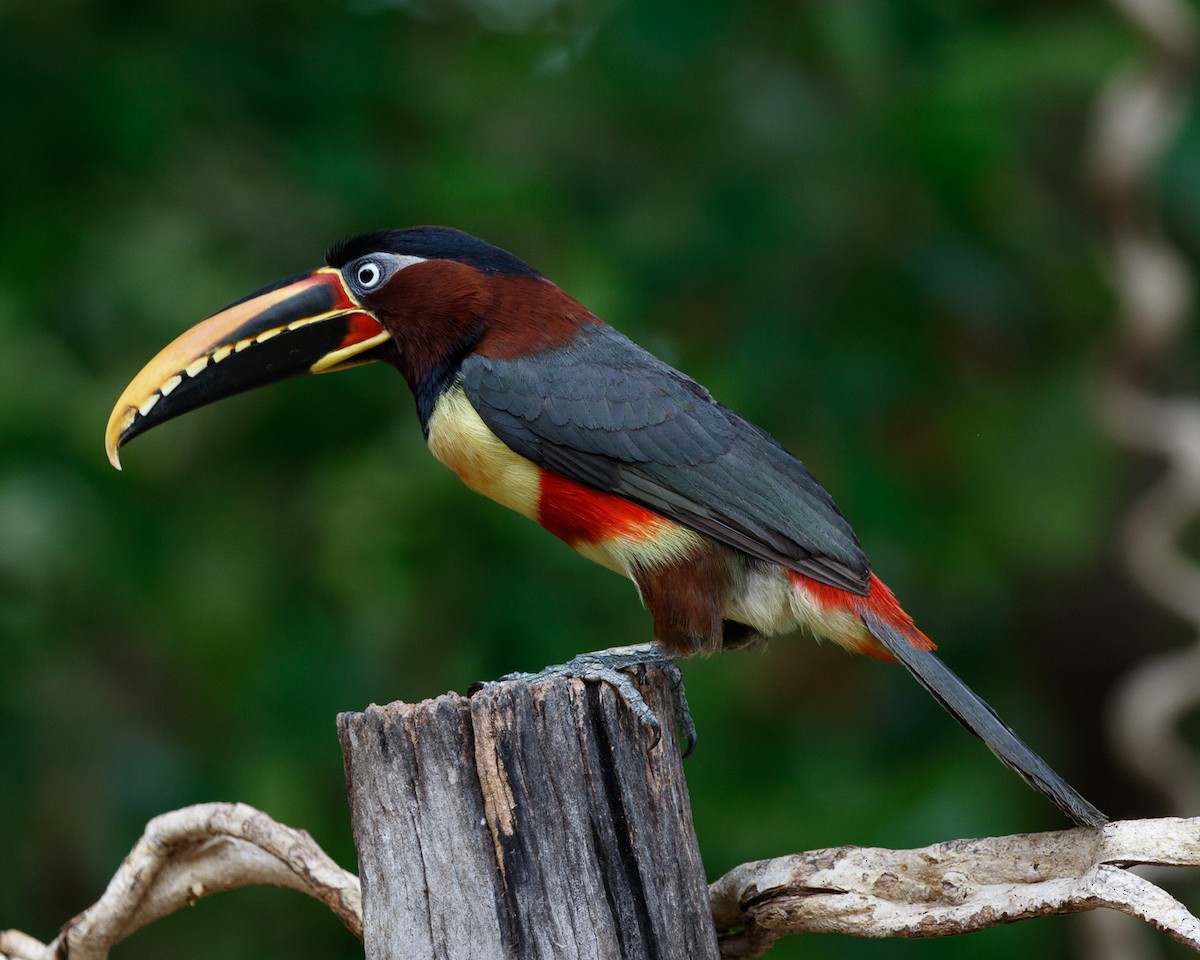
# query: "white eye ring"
367, 274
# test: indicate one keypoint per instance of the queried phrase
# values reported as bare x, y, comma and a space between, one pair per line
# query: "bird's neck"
440, 312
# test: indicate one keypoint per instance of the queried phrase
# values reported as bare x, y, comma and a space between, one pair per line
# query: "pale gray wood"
533, 820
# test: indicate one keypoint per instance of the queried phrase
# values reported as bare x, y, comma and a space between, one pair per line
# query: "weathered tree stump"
530, 820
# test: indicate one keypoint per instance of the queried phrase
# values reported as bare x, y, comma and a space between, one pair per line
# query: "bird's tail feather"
980, 719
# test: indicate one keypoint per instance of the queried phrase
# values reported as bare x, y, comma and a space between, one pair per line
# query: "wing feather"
604, 412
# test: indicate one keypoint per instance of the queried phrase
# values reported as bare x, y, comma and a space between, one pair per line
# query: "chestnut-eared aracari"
536, 403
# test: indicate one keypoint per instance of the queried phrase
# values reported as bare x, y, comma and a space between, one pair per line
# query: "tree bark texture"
532, 820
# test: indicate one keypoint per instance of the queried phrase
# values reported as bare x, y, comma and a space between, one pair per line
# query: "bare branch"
949, 888
186, 855
15, 945
958, 886
1136, 118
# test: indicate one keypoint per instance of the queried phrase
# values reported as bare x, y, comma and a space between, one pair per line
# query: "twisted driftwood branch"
1137, 117
956, 887
184, 856
949, 888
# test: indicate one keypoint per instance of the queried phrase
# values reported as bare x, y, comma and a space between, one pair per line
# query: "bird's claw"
617, 666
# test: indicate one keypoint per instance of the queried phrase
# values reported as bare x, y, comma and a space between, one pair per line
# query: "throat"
436, 381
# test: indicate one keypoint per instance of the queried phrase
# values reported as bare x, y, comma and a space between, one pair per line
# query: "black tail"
973, 713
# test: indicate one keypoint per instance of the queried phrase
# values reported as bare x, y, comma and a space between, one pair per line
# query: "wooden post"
531, 820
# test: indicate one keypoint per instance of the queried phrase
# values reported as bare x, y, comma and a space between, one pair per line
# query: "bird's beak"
307, 324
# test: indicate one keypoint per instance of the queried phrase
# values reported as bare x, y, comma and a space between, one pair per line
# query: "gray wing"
603, 412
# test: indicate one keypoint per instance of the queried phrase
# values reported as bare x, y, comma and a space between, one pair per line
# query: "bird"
536, 403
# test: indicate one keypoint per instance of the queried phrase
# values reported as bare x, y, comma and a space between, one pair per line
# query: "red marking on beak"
361, 327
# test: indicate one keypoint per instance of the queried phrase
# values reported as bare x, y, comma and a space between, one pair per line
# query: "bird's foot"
617, 666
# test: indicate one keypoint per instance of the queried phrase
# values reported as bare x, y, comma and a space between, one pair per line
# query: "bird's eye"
368, 274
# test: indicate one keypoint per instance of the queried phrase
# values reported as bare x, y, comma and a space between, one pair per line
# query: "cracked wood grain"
535, 819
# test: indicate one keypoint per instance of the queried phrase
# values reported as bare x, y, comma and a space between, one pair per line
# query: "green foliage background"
864, 225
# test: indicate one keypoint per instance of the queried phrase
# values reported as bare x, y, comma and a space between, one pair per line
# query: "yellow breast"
463, 442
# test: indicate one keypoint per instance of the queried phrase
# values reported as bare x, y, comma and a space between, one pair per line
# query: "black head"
431, 243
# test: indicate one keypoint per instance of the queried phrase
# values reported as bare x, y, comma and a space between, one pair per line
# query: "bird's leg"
615, 667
